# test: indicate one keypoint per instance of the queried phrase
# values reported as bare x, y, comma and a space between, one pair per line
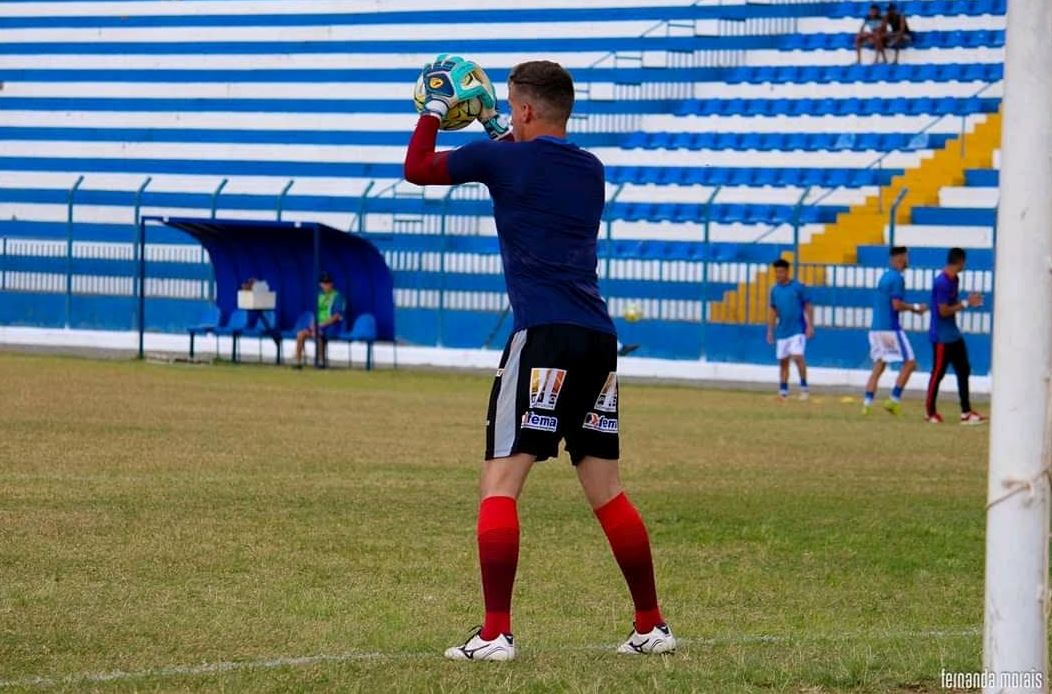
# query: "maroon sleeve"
424, 166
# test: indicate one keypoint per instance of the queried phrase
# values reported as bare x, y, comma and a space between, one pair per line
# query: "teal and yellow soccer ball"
462, 114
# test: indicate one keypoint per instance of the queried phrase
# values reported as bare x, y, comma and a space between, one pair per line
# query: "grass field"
169, 527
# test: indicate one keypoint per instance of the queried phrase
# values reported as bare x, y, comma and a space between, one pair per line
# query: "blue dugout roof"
282, 253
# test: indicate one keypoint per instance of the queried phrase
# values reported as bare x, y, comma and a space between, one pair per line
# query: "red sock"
628, 539
498, 536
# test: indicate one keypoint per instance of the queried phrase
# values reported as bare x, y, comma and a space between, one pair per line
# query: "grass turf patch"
157, 516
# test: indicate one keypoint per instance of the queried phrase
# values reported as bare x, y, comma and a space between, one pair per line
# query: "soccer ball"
633, 312
462, 114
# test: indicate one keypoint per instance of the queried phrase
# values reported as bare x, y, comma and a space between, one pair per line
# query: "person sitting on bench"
326, 322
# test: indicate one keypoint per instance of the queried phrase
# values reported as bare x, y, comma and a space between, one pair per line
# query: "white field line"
350, 656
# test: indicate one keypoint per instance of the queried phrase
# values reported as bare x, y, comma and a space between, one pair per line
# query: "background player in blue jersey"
558, 375
888, 343
948, 346
790, 324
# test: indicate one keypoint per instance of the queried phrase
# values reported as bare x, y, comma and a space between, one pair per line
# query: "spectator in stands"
895, 31
326, 320
871, 33
790, 324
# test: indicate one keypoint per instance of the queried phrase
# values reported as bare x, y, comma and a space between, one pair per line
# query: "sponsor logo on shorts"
597, 422
500, 372
607, 400
540, 422
545, 386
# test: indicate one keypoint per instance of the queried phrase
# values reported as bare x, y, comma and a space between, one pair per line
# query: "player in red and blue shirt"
557, 379
948, 346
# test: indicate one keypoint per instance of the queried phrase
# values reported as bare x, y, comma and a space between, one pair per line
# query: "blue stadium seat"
857, 73
762, 75
741, 177
825, 107
816, 141
814, 42
210, 321
976, 72
707, 107
836, 178
945, 106
859, 179
839, 41
730, 107
786, 177
785, 74
235, 326
781, 214
362, 329
845, 9
699, 176
872, 107
765, 177
920, 141
738, 75
680, 141
809, 177
665, 212
771, 142
634, 140
826, 74
726, 141
924, 73
749, 141
687, 213
303, 321
685, 107
899, 105
809, 73
657, 141
730, 214
918, 107
705, 140
981, 177
868, 141
759, 214
646, 174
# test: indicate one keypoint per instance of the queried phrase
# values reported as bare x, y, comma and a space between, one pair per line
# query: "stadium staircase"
865, 223
723, 126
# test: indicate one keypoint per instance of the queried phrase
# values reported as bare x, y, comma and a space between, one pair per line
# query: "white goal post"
1015, 635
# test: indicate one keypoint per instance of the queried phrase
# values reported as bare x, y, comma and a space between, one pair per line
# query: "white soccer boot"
659, 640
478, 648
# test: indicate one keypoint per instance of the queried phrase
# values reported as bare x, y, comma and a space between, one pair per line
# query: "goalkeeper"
557, 379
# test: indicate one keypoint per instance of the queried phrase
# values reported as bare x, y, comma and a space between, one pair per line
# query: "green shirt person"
328, 316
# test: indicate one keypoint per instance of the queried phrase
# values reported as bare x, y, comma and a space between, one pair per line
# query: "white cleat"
477, 648
659, 640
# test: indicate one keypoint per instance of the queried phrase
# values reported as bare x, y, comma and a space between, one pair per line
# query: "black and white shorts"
555, 382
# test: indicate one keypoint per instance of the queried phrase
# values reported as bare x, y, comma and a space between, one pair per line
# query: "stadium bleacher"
731, 132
